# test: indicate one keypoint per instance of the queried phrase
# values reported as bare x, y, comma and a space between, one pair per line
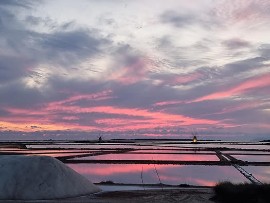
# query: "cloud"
74, 76
19, 3
3, 113
13, 68
236, 43
191, 18
264, 50
242, 11
180, 79
99, 117
33, 59
129, 66
29, 48
242, 66
16, 94
177, 19
69, 47
241, 89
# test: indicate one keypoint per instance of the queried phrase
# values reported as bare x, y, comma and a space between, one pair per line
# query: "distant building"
100, 139
194, 140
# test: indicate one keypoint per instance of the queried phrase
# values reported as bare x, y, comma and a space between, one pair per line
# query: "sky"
151, 67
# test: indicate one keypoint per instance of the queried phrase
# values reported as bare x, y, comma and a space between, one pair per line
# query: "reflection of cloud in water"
169, 174
200, 175
177, 157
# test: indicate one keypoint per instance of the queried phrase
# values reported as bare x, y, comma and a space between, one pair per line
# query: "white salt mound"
40, 177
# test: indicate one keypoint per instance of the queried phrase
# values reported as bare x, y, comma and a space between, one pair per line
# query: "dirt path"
197, 195
158, 196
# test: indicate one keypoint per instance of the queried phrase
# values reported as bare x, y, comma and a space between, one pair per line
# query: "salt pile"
40, 177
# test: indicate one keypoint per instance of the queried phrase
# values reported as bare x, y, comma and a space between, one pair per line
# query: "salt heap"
40, 177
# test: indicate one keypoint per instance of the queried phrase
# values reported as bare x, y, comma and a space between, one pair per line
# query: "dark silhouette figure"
100, 139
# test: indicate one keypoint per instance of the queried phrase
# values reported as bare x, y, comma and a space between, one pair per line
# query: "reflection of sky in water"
172, 151
221, 145
245, 152
97, 146
154, 145
262, 173
169, 174
178, 157
256, 158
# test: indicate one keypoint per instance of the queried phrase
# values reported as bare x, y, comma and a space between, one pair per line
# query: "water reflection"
176, 157
169, 174
251, 158
220, 145
262, 173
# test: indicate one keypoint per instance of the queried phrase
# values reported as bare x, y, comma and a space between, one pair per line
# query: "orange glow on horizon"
30, 127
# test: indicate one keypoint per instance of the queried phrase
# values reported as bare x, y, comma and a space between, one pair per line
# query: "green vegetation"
246, 193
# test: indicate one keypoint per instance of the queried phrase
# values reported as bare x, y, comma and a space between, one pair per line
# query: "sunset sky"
135, 66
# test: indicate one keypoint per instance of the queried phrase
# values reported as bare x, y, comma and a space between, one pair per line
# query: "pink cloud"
249, 84
184, 79
137, 118
166, 103
158, 116
132, 73
103, 95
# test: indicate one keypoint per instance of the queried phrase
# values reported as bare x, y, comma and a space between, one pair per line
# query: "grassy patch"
246, 193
